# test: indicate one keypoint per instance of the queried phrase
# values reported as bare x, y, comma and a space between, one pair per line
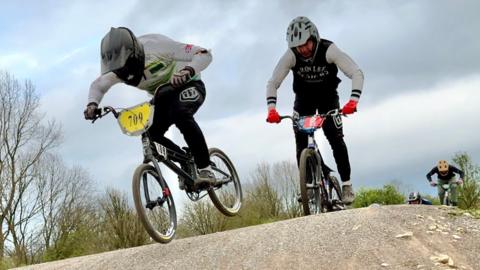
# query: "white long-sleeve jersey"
315, 73
163, 57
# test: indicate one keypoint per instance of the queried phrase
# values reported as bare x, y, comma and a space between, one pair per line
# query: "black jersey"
315, 76
451, 173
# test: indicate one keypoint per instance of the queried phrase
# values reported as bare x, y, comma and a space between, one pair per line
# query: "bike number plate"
136, 120
161, 150
311, 123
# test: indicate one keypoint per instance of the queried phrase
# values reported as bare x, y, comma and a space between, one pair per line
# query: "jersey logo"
188, 48
313, 73
189, 95
337, 120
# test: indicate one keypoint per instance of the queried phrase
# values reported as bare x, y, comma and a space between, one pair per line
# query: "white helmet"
300, 30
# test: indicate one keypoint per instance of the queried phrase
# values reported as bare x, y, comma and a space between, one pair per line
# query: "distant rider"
446, 175
416, 198
314, 63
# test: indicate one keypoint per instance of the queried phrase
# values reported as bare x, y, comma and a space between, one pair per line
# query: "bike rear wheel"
154, 203
310, 177
335, 194
226, 194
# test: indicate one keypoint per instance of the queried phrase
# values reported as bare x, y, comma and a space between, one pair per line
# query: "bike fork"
311, 142
148, 154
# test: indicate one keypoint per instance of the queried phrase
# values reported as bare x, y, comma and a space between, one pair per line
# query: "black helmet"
414, 196
122, 54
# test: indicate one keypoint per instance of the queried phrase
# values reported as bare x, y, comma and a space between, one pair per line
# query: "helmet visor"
116, 48
443, 173
112, 62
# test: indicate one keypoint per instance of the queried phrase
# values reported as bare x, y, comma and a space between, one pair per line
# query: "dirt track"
368, 238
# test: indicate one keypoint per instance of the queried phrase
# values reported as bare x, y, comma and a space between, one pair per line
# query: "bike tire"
310, 173
226, 196
160, 224
335, 193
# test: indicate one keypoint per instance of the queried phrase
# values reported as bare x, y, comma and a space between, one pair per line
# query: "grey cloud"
402, 46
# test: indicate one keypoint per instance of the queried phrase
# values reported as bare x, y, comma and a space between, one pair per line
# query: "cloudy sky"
420, 60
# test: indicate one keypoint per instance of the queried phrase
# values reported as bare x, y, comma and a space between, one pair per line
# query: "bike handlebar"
159, 92
333, 112
106, 110
457, 182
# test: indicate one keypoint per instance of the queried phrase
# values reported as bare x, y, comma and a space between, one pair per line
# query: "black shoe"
205, 176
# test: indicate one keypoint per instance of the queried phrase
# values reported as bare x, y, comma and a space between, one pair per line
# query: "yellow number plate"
137, 119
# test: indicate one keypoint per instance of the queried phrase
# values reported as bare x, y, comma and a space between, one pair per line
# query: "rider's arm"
197, 57
183, 54
348, 67
430, 173
427, 202
279, 73
457, 170
101, 85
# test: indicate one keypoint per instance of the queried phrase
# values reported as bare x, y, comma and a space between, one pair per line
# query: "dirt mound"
377, 237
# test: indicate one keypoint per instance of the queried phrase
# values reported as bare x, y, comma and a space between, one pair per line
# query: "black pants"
332, 128
178, 107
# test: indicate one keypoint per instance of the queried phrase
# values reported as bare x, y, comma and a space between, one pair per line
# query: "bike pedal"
201, 186
181, 183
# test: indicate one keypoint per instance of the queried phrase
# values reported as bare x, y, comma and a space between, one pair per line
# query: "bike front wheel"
310, 177
446, 199
154, 203
226, 194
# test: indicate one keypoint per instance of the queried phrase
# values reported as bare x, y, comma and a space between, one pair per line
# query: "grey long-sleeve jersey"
333, 56
163, 57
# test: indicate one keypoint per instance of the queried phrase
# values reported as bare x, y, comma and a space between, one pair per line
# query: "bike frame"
154, 153
165, 155
312, 144
447, 188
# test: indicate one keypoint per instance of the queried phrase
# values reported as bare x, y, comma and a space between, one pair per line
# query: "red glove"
273, 116
350, 107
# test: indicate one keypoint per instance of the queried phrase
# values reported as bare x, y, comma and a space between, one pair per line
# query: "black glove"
182, 76
91, 111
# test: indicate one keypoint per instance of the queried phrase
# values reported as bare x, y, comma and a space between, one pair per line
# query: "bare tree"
203, 218
264, 195
271, 194
469, 192
62, 192
122, 228
286, 179
24, 139
78, 233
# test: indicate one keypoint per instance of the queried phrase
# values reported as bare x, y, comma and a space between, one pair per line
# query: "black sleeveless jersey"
315, 77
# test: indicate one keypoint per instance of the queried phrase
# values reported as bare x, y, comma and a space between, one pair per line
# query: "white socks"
208, 168
347, 183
